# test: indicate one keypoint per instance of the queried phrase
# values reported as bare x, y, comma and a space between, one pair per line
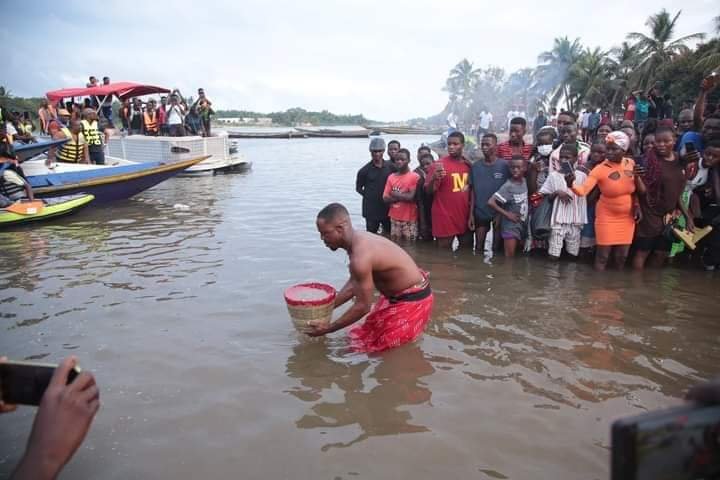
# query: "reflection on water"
370, 395
180, 315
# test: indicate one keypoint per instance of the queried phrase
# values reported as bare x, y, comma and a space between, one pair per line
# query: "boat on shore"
396, 130
117, 180
332, 133
286, 135
53, 207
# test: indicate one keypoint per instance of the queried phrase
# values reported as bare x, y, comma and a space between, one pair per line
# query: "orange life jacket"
151, 123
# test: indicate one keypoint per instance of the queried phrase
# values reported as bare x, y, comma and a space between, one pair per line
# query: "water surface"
179, 314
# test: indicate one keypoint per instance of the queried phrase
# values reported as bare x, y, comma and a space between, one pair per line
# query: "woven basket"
302, 311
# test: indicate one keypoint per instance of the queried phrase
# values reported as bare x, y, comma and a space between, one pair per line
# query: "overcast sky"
386, 59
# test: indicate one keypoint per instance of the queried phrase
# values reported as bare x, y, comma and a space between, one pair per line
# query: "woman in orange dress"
618, 209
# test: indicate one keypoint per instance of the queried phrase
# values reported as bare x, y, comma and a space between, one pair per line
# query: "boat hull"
26, 152
55, 208
113, 187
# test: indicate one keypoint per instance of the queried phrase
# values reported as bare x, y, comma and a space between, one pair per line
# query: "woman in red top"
449, 182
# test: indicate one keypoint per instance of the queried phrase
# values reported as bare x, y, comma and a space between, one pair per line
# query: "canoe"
405, 130
288, 134
54, 207
106, 183
332, 133
29, 150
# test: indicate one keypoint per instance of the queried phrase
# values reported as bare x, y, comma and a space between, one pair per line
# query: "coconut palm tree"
621, 63
658, 48
552, 76
463, 78
590, 78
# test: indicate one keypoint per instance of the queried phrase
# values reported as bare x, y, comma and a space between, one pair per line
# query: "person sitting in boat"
406, 299
75, 150
150, 118
13, 186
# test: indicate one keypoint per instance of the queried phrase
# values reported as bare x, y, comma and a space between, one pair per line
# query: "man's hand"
316, 328
570, 179
471, 222
513, 217
564, 197
709, 82
61, 423
637, 213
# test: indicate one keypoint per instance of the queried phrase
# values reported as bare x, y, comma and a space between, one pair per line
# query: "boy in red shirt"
399, 193
449, 182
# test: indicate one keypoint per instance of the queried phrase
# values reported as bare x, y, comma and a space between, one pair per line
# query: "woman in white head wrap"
618, 209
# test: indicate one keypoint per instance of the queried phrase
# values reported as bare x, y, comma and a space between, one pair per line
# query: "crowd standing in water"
646, 187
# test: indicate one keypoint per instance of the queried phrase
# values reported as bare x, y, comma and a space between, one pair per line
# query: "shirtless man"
403, 309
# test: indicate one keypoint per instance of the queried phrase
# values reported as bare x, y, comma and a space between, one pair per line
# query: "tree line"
571, 75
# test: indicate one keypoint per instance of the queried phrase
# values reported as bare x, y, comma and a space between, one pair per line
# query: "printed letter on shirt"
459, 182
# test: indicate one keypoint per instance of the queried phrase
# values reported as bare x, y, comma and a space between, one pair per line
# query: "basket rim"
332, 293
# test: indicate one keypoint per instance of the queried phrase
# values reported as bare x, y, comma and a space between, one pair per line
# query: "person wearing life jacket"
75, 150
93, 137
23, 129
151, 120
13, 185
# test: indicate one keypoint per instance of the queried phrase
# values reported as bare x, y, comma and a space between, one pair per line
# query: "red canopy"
122, 90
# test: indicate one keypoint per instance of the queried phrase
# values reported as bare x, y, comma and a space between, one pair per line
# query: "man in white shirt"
175, 117
486, 119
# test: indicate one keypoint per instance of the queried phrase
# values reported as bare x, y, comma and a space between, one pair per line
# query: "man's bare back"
393, 270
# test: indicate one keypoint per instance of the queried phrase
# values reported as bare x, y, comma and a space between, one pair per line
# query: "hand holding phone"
24, 383
61, 423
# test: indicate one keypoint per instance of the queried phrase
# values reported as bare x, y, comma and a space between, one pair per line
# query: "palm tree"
463, 78
658, 48
590, 79
552, 77
622, 62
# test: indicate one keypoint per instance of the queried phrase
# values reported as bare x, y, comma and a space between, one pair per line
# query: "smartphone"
566, 168
680, 443
24, 383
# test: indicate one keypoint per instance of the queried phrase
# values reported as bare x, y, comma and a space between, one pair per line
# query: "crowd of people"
87, 126
646, 186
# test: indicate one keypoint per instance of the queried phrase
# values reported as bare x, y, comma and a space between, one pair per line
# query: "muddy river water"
179, 314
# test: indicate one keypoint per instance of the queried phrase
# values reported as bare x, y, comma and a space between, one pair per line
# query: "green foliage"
12, 103
570, 75
297, 116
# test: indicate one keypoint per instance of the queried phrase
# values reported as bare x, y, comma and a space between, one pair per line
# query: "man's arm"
707, 85
360, 182
362, 288
345, 294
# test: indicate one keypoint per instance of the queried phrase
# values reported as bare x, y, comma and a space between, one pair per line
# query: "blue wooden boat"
106, 182
26, 151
